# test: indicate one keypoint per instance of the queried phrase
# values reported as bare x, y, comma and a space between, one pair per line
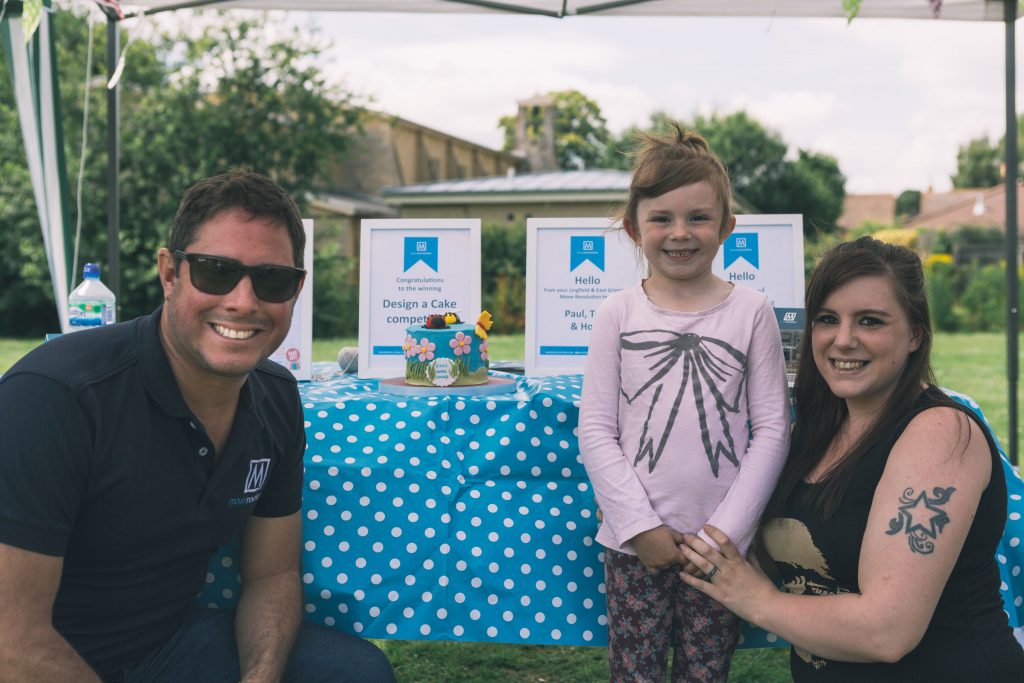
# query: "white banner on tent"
572, 265
408, 269
766, 253
296, 351
35, 94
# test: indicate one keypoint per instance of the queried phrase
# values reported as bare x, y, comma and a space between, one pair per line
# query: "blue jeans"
203, 650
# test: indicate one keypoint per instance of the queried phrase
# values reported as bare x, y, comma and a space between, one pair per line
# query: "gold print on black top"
706, 362
921, 518
802, 567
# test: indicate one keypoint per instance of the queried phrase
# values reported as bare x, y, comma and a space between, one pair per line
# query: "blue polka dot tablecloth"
446, 517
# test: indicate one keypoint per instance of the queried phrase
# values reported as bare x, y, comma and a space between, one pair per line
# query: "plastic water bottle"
91, 304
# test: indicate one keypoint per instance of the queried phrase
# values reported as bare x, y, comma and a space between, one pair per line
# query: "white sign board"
296, 351
572, 265
408, 269
766, 253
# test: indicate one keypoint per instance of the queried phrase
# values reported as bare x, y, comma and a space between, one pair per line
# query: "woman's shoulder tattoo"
921, 517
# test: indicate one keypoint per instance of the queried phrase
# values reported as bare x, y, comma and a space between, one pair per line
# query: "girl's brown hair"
664, 163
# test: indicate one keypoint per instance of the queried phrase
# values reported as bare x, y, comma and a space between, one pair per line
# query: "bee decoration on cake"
452, 318
483, 324
435, 322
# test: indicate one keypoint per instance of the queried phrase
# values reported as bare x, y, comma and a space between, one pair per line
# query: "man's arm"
270, 607
30, 648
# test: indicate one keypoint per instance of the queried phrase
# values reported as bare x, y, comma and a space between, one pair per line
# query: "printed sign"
766, 253
408, 269
572, 265
296, 351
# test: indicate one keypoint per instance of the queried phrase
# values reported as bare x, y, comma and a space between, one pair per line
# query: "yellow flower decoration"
483, 324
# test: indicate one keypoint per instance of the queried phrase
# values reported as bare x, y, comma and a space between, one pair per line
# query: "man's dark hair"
242, 189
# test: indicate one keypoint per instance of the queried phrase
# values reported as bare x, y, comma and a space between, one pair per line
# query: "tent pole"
1012, 257
112, 276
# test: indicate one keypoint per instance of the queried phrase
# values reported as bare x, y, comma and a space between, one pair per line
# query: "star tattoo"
921, 518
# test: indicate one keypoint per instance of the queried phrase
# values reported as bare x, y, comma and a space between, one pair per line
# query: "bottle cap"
91, 270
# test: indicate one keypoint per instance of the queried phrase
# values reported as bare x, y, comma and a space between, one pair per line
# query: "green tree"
978, 164
619, 150
581, 134
818, 187
191, 107
754, 156
908, 203
812, 184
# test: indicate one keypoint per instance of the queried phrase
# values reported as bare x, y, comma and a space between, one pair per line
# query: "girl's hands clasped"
728, 577
659, 548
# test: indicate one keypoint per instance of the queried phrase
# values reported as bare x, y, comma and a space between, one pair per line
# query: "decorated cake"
443, 351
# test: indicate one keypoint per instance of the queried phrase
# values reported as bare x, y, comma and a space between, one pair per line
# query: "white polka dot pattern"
467, 518
1009, 553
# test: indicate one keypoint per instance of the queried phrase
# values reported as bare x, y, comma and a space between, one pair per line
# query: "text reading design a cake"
446, 352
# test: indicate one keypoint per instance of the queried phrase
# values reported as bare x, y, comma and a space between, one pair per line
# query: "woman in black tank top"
884, 525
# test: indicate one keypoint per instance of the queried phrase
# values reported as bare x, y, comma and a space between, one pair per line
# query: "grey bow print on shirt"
706, 363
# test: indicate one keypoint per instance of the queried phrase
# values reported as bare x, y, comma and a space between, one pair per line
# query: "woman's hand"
659, 548
728, 577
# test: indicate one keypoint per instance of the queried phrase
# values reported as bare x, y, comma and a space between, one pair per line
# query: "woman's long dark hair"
820, 413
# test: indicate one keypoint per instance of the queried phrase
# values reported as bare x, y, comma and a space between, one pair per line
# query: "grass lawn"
974, 364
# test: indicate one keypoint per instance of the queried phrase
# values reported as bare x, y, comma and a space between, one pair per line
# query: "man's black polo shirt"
102, 463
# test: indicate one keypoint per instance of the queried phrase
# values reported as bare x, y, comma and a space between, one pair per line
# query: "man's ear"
165, 269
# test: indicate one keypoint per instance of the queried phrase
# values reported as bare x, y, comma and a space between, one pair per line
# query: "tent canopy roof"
958, 10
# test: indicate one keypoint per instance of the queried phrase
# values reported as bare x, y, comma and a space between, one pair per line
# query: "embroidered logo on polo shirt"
257, 477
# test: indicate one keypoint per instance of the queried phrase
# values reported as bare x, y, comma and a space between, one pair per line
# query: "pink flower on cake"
426, 350
407, 346
483, 350
461, 344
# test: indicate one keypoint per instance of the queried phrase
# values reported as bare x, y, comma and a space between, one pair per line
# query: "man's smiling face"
225, 335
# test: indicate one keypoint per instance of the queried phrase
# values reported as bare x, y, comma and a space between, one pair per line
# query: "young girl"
684, 417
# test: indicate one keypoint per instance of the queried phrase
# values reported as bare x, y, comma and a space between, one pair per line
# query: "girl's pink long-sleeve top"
684, 418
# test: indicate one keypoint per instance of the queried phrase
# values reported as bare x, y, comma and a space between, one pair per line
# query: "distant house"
392, 152
401, 168
984, 207
859, 208
515, 197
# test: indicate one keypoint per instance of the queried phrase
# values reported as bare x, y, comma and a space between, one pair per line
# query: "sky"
891, 99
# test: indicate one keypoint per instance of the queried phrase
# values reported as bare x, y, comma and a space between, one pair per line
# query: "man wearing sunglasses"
132, 452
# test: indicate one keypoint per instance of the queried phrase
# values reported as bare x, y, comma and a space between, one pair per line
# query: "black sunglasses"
219, 275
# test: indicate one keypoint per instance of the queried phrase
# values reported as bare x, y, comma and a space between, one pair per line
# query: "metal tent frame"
1006, 11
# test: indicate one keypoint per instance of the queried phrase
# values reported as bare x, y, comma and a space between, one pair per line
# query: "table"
443, 517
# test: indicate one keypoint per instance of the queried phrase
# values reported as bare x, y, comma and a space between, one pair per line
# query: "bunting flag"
32, 63
31, 16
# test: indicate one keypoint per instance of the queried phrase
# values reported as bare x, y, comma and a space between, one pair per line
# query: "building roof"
550, 181
984, 207
347, 203
518, 188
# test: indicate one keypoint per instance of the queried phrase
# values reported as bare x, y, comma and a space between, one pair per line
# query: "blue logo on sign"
741, 245
421, 249
586, 248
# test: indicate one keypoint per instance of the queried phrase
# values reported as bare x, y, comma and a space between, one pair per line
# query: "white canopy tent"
1005, 11
957, 10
